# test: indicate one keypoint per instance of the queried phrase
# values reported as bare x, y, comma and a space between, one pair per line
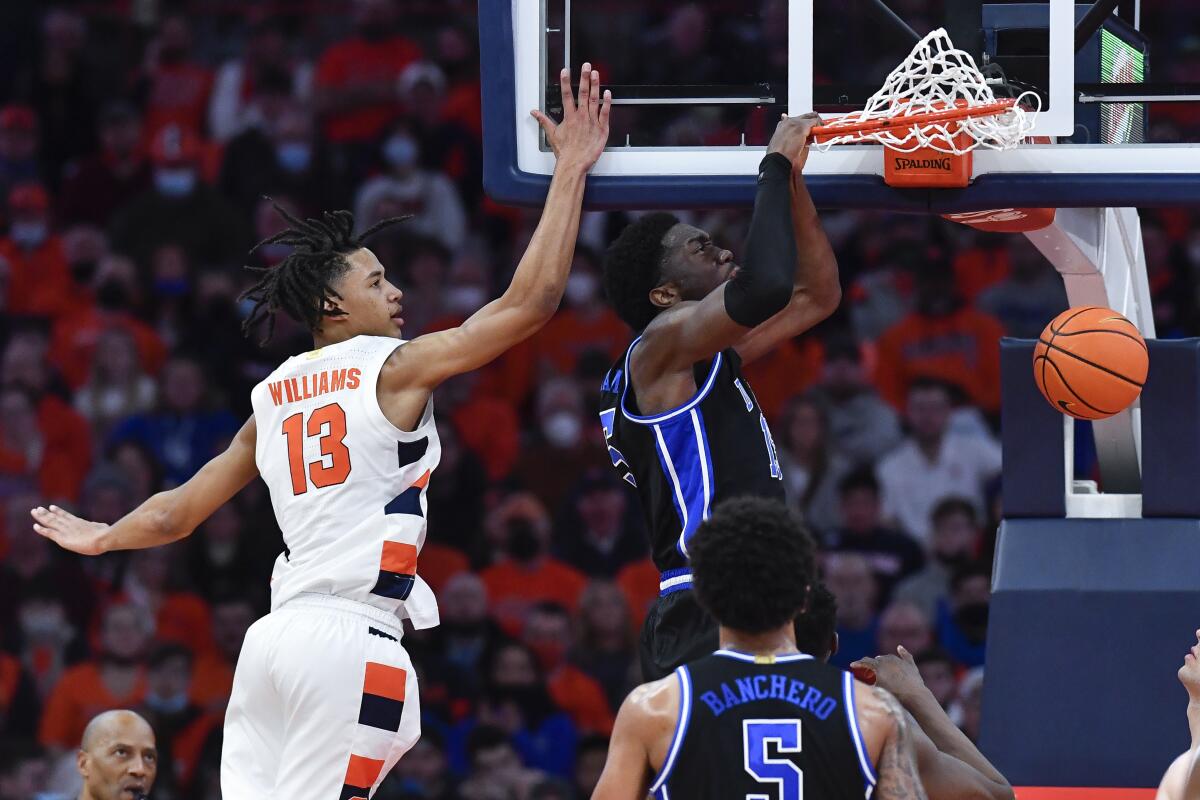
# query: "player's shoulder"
653, 703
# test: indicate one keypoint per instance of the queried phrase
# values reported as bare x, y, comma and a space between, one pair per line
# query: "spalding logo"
923, 163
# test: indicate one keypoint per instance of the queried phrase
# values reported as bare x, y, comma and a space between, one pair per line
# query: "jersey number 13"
329, 424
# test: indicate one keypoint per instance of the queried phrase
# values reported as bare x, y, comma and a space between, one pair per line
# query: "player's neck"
779, 641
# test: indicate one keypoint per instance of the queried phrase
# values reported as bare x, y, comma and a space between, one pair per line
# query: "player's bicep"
626, 774
216, 482
694, 331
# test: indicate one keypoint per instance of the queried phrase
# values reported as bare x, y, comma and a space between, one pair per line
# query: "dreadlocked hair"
302, 283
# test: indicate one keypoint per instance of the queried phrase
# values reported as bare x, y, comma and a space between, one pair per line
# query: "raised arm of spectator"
164, 517
541, 277
950, 765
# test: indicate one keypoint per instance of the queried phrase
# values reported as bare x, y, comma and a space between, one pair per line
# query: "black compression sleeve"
764, 285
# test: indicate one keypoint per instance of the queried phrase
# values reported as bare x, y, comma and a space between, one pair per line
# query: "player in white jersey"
324, 697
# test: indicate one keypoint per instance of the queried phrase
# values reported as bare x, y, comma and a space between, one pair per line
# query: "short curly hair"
817, 623
633, 267
752, 563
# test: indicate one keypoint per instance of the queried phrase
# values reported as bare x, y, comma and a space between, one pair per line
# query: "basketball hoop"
931, 113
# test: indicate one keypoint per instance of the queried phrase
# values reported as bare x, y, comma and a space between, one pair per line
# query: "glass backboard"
699, 87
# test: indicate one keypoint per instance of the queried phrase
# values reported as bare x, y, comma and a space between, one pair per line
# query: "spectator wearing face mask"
40, 280
408, 188
585, 324
179, 209
524, 572
181, 725
94, 187
963, 616
562, 448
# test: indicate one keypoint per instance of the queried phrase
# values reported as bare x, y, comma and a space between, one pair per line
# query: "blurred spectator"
60, 89
182, 434
1031, 295
639, 584
212, 679
222, 558
180, 617
179, 209
548, 634
76, 333
524, 573
45, 643
139, 468
848, 576
812, 465
864, 427
589, 763
39, 442
32, 561
933, 463
585, 324
600, 533
606, 642
95, 187
495, 769
516, 701
422, 773
486, 424
465, 634
679, 51
551, 465
892, 555
941, 338
84, 247
180, 725
117, 388
24, 769
19, 161
408, 188
115, 678
283, 156
267, 52
903, 623
954, 543
448, 145
18, 700
174, 86
937, 671
356, 89
967, 711
784, 372
40, 281
963, 616
456, 500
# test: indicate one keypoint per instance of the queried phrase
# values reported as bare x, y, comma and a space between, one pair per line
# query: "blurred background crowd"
137, 142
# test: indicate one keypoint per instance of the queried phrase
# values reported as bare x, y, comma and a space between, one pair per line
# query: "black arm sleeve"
763, 287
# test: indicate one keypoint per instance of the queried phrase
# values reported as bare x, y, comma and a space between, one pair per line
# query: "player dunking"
758, 718
324, 698
682, 424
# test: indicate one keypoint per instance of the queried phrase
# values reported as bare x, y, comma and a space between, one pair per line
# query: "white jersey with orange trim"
348, 486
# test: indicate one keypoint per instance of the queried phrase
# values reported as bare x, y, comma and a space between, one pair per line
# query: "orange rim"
899, 123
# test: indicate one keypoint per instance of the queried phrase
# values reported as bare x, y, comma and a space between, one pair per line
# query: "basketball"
1090, 362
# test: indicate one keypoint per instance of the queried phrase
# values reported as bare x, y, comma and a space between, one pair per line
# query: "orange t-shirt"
784, 372
489, 428
73, 342
212, 681
79, 695
962, 348
578, 694
185, 618
570, 334
513, 589
178, 95
977, 269
40, 282
358, 61
439, 563
639, 583
67, 451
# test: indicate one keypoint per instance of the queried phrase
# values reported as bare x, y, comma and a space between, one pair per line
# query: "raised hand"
791, 138
69, 531
898, 674
580, 138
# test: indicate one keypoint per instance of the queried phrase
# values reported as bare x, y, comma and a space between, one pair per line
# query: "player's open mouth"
137, 792
396, 318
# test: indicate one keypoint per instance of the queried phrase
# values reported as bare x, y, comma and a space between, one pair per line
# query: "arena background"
137, 140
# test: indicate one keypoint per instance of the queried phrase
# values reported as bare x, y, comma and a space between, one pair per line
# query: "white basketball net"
935, 77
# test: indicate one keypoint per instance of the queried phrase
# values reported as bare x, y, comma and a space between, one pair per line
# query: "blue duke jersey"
766, 727
685, 461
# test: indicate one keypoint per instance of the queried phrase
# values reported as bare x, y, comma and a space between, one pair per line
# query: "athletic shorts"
677, 630
324, 703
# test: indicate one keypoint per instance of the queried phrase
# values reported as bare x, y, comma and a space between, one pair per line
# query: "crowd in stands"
137, 144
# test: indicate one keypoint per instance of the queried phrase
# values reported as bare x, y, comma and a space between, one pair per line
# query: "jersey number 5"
329, 423
764, 768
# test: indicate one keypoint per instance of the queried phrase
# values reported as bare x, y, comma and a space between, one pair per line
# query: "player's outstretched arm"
165, 517
898, 778
538, 283
950, 764
1182, 778
647, 716
765, 293
816, 289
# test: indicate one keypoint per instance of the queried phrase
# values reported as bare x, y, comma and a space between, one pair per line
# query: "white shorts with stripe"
324, 703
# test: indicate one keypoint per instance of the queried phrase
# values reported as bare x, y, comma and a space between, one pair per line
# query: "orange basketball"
1090, 362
